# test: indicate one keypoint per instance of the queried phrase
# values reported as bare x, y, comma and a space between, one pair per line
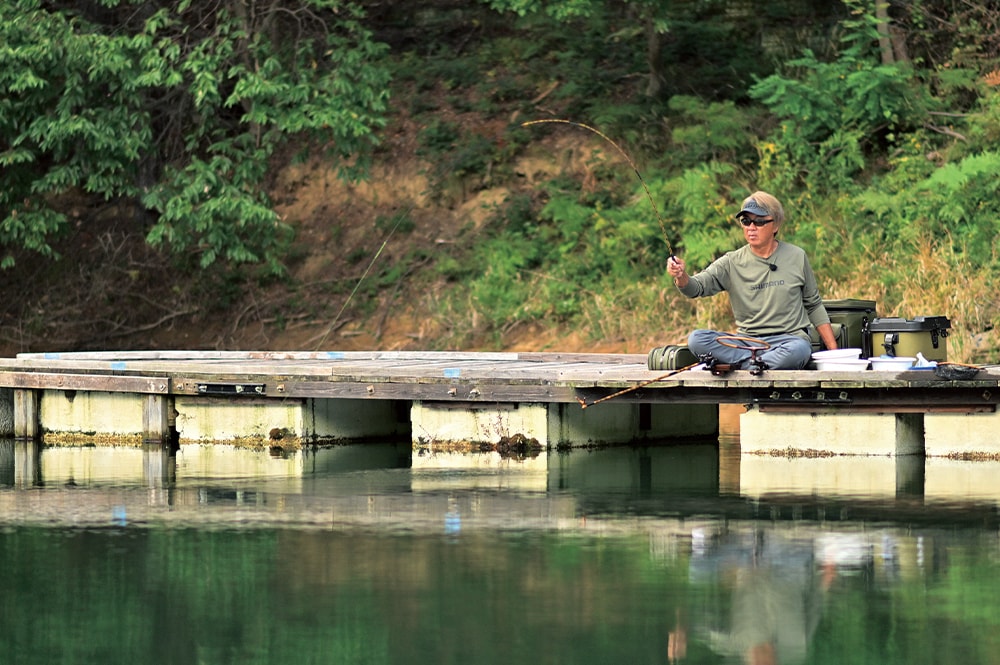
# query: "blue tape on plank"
452, 372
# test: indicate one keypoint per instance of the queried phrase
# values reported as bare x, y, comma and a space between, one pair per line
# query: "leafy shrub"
831, 113
456, 153
709, 131
401, 222
701, 203
950, 204
438, 137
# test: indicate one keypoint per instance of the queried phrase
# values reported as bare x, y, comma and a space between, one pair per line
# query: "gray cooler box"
927, 335
851, 319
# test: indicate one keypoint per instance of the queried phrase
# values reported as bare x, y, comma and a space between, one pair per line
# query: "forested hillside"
504, 174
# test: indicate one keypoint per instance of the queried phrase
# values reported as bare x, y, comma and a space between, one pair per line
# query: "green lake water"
368, 554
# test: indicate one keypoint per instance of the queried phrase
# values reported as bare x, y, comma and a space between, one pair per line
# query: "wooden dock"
474, 397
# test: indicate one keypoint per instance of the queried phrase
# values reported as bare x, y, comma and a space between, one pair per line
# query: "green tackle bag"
671, 357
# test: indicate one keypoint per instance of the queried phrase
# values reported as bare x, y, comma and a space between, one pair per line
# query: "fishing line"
652, 203
625, 155
445, 168
357, 286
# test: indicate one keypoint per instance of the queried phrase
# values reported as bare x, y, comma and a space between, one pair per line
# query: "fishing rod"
652, 203
663, 230
584, 404
732, 341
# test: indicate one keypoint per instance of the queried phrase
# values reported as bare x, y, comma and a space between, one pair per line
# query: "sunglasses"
746, 221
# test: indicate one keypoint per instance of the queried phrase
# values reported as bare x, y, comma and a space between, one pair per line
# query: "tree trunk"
884, 41
654, 86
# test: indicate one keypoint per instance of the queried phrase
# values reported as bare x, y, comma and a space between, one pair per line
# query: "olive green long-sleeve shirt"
765, 301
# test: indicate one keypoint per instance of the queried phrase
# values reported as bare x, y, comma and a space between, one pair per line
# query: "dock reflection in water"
685, 553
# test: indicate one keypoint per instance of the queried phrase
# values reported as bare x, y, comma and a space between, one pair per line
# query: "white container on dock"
892, 363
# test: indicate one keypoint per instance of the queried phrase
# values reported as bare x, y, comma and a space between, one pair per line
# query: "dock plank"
459, 376
93, 382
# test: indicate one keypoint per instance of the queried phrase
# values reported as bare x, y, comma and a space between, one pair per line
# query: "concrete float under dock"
287, 399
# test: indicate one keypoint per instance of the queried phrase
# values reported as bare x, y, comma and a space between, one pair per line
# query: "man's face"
758, 230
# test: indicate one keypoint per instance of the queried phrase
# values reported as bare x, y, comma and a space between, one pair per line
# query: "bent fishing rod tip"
625, 155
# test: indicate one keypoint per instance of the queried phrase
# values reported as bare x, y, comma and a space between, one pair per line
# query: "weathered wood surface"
478, 377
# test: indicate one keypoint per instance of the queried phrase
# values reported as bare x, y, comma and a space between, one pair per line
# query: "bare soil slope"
108, 290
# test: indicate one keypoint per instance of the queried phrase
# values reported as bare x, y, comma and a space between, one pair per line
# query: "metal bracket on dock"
799, 396
229, 389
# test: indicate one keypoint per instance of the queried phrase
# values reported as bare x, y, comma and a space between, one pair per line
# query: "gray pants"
784, 351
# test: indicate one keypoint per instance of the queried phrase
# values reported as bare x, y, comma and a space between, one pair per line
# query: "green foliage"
971, 40
401, 222
709, 131
573, 47
517, 215
984, 125
712, 48
874, 97
952, 204
177, 108
872, 161
701, 205
925, 196
561, 10
214, 206
546, 264
455, 152
438, 137
832, 113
